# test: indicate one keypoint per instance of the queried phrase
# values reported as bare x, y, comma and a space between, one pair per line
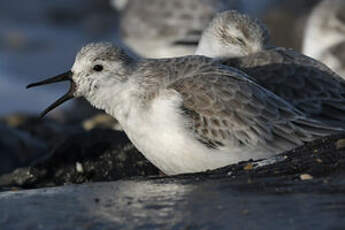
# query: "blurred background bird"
324, 37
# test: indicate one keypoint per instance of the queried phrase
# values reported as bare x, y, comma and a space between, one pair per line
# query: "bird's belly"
173, 151
163, 136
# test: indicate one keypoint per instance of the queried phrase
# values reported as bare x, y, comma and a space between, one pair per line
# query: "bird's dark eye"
98, 68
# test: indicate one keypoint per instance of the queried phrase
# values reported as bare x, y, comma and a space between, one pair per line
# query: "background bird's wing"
304, 82
339, 14
227, 109
338, 51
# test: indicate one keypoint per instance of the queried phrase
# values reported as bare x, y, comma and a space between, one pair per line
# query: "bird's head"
97, 65
232, 34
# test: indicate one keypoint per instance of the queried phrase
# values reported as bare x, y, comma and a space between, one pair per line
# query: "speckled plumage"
190, 114
167, 28
229, 111
324, 37
304, 82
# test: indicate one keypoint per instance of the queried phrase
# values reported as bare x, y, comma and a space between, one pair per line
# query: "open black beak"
61, 77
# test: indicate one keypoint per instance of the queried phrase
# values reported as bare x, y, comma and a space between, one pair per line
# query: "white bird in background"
243, 42
161, 28
232, 34
324, 37
187, 114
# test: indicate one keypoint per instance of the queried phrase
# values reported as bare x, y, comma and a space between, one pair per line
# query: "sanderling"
186, 114
324, 37
232, 34
242, 42
161, 28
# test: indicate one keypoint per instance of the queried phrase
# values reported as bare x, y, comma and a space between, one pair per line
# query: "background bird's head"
232, 34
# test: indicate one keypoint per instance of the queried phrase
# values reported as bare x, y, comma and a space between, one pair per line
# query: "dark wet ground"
107, 155
101, 155
182, 204
304, 189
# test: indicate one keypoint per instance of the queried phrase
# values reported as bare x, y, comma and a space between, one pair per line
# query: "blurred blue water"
40, 38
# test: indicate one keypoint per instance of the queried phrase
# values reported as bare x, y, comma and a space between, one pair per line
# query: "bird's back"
304, 82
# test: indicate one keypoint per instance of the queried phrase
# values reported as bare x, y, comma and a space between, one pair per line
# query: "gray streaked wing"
172, 20
302, 81
227, 110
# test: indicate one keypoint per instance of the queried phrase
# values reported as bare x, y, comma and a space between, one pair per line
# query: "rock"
307, 181
83, 114
319, 158
248, 166
18, 148
340, 144
47, 129
106, 155
14, 120
79, 111
306, 177
98, 155
101, 120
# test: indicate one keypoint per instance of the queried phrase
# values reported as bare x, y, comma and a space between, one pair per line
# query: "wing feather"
228, 109
302, 81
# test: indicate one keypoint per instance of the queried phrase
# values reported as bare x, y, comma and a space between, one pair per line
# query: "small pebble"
100, 120
79, 167
319, 160
340, 144
306, 176
248, 166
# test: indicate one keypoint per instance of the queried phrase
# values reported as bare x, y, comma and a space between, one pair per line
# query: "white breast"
160, 133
